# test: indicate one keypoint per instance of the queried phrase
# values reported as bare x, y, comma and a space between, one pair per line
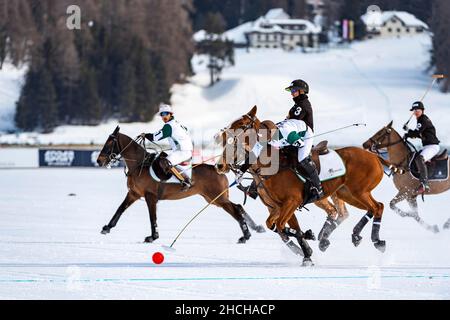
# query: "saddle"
160, 168
438, 167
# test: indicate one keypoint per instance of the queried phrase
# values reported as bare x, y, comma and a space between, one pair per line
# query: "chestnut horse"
401, 154
283, 192
208, 184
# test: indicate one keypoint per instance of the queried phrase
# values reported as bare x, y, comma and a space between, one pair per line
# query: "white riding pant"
179, 156
429, 152
305, 151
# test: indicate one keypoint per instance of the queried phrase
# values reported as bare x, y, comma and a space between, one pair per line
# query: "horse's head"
111, 149
382, 139
236, 135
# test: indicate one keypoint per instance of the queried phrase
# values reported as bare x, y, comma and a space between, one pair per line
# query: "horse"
208, 184
283, 192
401, 154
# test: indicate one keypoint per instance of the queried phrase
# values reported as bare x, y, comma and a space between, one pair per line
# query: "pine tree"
89, 101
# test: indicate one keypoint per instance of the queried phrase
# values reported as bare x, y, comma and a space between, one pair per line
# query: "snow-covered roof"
237, 35
202, 35
275, 14
272, 22
376, 19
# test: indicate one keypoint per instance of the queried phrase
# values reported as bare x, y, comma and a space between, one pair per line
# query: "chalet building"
392, 24
276, 30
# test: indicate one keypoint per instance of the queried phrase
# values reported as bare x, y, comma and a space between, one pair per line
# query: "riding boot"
184, 179
309, 168
423, 172
251, 190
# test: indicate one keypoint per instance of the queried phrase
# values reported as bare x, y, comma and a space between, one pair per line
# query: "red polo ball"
158, 258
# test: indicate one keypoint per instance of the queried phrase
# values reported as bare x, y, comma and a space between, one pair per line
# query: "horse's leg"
129, 200
415, 215
345, 194
224, 203
447, 224
341, 208
250, 221
287, 213
377, 209
151, 201
301, 237
330, 224
401, 196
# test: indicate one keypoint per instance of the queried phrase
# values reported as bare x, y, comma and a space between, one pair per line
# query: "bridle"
116, 157
377, 145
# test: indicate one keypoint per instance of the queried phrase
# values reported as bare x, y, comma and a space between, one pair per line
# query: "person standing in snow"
180, 141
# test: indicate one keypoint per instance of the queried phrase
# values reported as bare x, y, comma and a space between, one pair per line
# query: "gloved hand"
142, 136
148, 136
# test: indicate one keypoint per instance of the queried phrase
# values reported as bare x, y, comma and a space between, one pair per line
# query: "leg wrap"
362, 223
376, 230
328, 228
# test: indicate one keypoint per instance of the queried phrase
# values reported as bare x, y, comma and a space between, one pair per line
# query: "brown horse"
400, 154
336, 210
208, 183
283, 192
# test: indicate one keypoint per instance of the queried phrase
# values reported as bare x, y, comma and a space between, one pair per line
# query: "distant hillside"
371, 82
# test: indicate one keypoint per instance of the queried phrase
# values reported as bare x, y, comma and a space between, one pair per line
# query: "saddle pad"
437, 170
185, 168
331, 167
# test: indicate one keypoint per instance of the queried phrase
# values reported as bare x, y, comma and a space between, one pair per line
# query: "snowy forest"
127, 55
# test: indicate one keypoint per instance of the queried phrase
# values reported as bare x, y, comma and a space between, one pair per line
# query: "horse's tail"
391, 166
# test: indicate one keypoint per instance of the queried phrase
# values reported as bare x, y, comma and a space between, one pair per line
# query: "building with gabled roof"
392, 24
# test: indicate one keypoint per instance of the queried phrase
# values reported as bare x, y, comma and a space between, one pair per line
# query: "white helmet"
165, 108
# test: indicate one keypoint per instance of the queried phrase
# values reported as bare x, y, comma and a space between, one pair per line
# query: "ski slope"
370, 82
51, 248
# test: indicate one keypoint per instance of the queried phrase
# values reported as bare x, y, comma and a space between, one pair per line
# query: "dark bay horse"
283, 192
400, 154
208, 184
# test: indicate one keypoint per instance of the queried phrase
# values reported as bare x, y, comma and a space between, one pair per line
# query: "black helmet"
417, 106
298, 85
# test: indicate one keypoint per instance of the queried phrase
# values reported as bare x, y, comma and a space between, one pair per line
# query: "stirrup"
424, 188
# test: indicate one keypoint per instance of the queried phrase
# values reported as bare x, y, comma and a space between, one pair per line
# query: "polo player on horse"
426, 131
298, 131
180, 141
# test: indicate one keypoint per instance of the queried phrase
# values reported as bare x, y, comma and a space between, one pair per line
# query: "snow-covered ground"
373, 82
51, 248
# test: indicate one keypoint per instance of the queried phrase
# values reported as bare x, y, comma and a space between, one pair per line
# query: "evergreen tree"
91, 111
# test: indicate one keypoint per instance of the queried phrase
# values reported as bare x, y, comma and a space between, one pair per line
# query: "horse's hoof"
436, 229
150, 239
309, 235
356, 239
106, 230
307, 262
447, 225
242, 240
324, 244
380, 245
260, 229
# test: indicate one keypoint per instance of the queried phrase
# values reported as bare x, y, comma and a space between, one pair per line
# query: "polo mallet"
435, 77
171, 248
